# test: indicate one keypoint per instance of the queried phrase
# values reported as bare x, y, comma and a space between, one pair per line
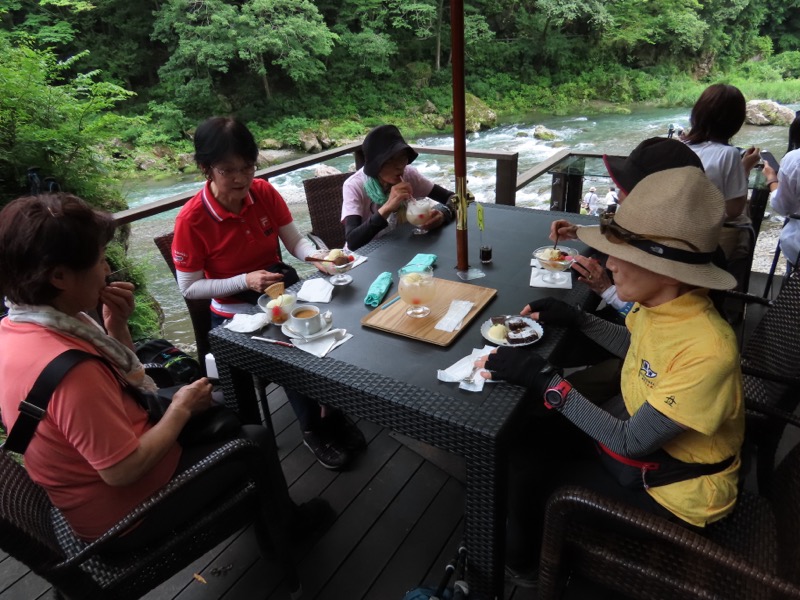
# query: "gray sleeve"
195, 286
644, 432
614, 338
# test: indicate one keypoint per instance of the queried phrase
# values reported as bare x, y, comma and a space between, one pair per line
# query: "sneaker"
344, 431
521, 578
328, 452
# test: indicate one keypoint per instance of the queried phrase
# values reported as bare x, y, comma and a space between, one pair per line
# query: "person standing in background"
590, 201
716, 117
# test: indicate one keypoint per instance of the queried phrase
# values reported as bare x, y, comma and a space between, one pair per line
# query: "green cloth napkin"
378, 289
425, 260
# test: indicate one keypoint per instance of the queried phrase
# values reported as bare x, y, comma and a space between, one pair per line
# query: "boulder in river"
478, 114
540, 132
309, 142
324, 170
767, 112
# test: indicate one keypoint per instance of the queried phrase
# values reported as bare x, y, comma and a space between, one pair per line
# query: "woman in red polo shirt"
226, 249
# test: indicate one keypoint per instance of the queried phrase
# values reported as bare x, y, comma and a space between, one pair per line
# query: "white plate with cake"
511, 330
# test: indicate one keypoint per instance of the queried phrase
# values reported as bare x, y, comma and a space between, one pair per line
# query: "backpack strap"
34, 407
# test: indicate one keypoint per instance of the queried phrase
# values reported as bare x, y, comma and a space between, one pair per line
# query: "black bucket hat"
651, 156
381, 144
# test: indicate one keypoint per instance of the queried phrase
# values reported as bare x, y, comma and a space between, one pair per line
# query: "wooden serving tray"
395, 320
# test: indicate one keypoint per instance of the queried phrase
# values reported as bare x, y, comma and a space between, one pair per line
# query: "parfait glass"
417, 289
555, 266
418, 211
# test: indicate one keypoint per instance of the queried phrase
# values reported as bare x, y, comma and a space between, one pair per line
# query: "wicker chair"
198, 309
751, 554
771, 375
35, 533
324, 197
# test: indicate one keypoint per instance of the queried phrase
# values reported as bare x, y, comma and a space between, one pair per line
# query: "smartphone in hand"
768, 158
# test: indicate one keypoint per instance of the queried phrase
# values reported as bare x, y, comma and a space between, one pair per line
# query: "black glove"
519, 367
557, 312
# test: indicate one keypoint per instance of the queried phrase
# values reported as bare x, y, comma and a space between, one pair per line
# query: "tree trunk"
439, 16
265, 80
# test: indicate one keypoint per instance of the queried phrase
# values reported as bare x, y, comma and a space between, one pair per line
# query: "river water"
612, 134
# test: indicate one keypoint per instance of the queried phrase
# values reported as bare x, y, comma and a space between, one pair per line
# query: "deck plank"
355, 575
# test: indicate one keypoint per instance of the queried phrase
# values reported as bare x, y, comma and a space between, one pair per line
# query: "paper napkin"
537, 273
323, 344
455, 315
461, 369
244, 323
378, 288
315, 290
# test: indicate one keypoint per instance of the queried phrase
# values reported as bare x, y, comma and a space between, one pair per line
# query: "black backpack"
166, 364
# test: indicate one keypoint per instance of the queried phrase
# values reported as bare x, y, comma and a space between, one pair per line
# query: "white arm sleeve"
195, 287
295, 242
611, 298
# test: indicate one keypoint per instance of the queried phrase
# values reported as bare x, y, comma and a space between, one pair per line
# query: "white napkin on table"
537, 272
320, 346
461, 369
315, 290
455, 315
245, 323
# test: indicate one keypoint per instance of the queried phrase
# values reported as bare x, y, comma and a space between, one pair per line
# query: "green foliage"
787, 64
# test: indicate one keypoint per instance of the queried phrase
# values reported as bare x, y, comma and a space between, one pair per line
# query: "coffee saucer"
312, 336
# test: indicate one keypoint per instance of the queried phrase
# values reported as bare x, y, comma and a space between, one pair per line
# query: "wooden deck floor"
399, 521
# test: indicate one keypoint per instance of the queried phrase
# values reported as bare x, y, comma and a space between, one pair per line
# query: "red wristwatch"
556, 397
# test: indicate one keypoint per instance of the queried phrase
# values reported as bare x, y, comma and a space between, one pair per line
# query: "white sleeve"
297, 244
786, 199
196, 287
611, 298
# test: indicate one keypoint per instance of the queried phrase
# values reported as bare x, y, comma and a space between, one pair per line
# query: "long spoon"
338, 261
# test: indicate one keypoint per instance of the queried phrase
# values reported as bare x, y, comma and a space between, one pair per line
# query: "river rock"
272, 157
540, 132
325, 170
478, 114
145, 164
429, 108
270, 144
438, 122
309, 142
184, 160
767, 112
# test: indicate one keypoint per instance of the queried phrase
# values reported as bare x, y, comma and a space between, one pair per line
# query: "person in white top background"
590, 200
786, 197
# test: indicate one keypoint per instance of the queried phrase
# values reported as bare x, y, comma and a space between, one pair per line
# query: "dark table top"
398, 367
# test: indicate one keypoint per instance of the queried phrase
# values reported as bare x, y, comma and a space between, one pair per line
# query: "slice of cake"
522, 336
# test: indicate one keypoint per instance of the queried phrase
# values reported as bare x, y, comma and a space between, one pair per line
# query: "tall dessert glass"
555, 260
417, 289
418, 211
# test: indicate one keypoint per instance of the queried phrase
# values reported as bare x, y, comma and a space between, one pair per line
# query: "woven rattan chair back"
198, 309
27, 532
324, 198
771, 368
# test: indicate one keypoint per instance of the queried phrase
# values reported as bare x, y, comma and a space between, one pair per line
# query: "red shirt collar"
218, 212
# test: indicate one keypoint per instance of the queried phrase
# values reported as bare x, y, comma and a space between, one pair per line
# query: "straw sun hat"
669, 224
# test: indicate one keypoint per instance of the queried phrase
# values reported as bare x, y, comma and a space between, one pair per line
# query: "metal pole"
459, 132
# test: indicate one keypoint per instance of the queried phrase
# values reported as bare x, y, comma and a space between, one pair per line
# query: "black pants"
202, 492
551, 452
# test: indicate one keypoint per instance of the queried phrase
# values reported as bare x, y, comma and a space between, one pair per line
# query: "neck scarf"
85, 328
375, 192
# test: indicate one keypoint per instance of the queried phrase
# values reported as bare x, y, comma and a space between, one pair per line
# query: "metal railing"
506, 165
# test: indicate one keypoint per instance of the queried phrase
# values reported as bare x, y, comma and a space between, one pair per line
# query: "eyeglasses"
247, 171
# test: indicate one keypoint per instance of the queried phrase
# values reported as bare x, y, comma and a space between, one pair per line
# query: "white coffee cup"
306, 319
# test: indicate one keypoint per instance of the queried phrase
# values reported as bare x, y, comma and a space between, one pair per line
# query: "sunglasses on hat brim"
616, 234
